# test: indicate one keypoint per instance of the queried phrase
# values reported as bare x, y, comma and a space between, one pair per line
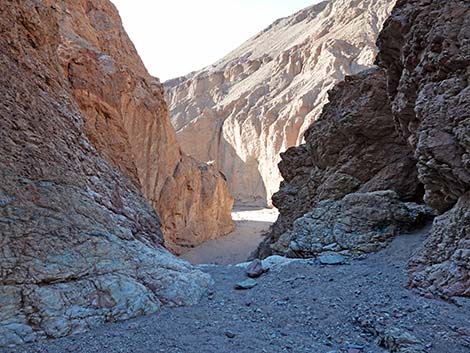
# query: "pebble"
246, 284
229, 334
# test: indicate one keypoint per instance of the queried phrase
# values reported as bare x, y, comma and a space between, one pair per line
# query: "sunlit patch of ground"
251, 222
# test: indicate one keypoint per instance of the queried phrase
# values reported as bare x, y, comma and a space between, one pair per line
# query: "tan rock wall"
126, 118
255, 103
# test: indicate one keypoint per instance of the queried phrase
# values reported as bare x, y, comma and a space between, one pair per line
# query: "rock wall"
127, 120
425, 49
79, 244
256, 102
353, 147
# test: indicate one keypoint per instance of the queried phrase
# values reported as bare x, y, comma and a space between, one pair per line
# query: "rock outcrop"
256, 102
425, 49
127, 120
79, 243
353, 147
358, 223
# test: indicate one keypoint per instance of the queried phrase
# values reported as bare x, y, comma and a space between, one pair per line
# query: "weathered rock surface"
425, 49
79, 243
127, 120
425, 52
441, 266
256, 102
360, 222
353, 147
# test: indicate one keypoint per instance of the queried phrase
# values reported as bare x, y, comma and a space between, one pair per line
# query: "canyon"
370, 251
244, 110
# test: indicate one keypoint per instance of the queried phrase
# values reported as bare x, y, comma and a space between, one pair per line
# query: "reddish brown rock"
79, 243
255, 269
127, 120
425, 49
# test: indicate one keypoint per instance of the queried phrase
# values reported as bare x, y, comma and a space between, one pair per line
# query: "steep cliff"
353, 147
419, 95
256, 102
80, 245
425, 49
126, 119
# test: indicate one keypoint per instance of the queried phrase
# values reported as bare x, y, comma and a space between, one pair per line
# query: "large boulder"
127, 120
358, 223
79, 243
425, 50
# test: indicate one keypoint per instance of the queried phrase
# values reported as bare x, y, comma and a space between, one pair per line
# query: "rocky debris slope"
298, 306
353, 147
127, 120
425, 49
79, 244
256, 102
425, 52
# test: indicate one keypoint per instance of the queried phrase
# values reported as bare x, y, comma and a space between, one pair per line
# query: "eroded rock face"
126, 119
256, 102
353, 147
441, 267
79, 243
425, 52
425, 49
360, 222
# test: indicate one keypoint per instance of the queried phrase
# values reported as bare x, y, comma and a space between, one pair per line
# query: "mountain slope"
256, 102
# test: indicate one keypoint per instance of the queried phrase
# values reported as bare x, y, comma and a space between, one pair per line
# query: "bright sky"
175, 37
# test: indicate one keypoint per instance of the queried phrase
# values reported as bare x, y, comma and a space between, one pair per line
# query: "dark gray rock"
353, 147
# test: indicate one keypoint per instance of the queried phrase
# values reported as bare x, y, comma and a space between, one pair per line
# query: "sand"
252, 223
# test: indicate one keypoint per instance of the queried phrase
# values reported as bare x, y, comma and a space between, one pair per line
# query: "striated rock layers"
256, 102
424, 50
79, 243
127, 120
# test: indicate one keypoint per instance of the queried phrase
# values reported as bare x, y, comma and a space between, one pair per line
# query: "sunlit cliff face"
257, 101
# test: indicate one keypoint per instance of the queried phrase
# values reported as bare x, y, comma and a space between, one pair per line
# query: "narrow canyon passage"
251, 223
118, 231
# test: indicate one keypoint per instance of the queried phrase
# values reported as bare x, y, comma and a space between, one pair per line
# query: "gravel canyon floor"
234, 248
300, 306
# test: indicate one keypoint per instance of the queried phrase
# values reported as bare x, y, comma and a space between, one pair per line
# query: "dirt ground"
234, 248
298, 306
